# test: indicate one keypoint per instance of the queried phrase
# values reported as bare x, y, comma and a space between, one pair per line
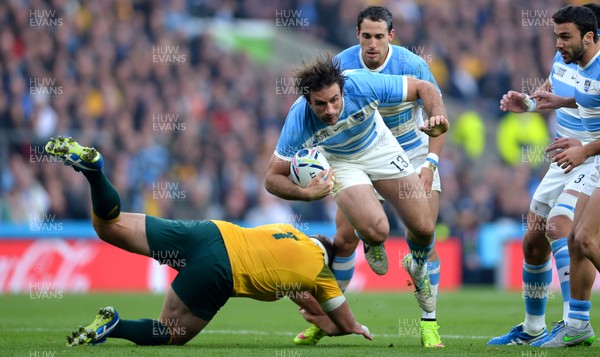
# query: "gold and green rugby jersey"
272, 261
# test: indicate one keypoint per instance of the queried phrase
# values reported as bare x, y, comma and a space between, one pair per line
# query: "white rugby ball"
306, 165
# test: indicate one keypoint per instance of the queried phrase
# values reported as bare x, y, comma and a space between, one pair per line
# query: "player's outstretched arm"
277, 182
337, 322
437, 123
548, 100
517, 102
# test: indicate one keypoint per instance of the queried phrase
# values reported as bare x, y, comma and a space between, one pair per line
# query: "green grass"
468, 318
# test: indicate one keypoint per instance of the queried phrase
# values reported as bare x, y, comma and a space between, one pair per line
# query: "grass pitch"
468, 318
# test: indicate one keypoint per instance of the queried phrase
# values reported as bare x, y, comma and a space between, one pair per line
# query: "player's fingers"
514, 94
569, 169
440, 120
554, 146
539, 95
560, 158
330, 180
322, 174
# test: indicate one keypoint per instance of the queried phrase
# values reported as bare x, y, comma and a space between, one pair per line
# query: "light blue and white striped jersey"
403, 119
359, 123
563, 80
587, 96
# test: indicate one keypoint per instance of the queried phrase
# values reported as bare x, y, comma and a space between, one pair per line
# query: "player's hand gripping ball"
306, 165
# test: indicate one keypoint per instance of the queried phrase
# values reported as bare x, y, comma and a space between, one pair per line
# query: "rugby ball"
306, 165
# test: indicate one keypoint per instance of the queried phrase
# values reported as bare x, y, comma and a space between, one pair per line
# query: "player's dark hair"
583, 18
596, 10
323, 72
376, 13
328, 244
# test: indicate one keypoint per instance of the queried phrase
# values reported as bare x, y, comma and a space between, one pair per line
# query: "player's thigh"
433, 200
584, 202
344, 240
363, 210
127, 232
587, 230
554, 183
183, 325
410, 201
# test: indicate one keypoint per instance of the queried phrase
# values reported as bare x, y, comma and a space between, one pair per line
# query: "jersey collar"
380, 68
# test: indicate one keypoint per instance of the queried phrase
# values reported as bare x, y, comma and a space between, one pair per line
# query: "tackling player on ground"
215, 260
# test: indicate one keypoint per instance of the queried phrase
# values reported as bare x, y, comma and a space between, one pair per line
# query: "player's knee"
424, 230
103, 231
535, 245
558, 227
561, 216
583, 242
375, 233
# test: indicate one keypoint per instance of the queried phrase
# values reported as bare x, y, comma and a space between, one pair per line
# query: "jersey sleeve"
290, 139
387, 88
327, 291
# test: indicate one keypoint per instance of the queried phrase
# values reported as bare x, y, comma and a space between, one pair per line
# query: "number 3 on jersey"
400, 162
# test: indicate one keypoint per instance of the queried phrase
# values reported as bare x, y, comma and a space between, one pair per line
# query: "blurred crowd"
187, 126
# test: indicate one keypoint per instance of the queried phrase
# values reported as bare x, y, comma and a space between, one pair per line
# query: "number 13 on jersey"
401, 162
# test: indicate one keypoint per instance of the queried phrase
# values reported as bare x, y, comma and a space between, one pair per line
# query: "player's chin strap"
316, 241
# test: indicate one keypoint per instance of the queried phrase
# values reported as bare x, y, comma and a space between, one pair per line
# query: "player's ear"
391, 34
358, 33
588, 37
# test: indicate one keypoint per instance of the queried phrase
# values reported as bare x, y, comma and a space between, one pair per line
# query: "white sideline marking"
249, 332
265, 333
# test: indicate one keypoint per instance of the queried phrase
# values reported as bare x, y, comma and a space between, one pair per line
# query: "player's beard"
575, 54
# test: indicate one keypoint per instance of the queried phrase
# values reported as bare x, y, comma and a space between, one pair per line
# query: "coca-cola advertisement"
46, 268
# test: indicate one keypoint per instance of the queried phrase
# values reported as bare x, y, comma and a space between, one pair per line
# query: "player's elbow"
426, 89
347, 328
270, 184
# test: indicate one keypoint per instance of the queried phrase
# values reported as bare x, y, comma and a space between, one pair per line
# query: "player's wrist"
530, 104
431, 162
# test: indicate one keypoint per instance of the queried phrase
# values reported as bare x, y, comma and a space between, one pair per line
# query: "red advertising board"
449, 251
512, 268
71, 265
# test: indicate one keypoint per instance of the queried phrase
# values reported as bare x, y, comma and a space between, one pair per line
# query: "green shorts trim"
195, 249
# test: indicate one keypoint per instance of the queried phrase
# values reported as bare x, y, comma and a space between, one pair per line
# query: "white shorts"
554, 183
592, 181
384, 160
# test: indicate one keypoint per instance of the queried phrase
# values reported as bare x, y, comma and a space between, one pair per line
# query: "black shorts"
195, 249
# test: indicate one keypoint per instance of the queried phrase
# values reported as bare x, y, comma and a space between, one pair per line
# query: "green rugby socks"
106, 203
